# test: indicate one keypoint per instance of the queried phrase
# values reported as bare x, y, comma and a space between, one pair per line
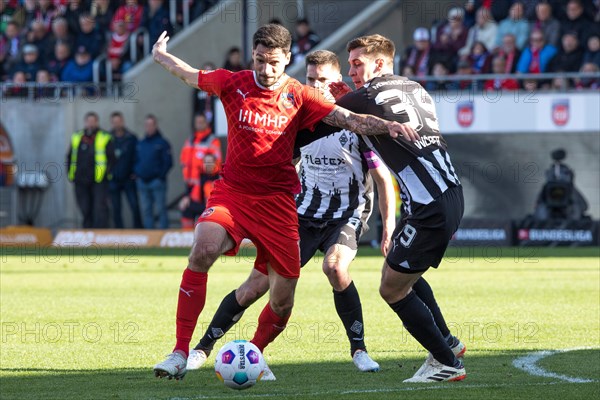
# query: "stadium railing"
133, 48
57, 90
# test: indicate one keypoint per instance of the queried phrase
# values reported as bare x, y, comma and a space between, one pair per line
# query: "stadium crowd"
507, 37
57, 40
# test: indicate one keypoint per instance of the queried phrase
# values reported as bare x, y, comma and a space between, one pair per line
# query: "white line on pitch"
529, 362
457, 386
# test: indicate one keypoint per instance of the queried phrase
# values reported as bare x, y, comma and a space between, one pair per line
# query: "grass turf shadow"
490, 376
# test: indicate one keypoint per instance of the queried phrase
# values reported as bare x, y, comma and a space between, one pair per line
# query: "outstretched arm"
364, 124
174, 65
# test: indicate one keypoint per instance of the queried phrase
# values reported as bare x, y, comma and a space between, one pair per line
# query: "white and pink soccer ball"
239, 364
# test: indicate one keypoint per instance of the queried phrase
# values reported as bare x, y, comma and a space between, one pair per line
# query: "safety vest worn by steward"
192, 163
101, 161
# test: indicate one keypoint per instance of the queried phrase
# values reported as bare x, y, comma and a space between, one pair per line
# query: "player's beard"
268, 81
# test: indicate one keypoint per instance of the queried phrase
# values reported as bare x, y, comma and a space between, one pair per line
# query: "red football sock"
192, 295
270, 325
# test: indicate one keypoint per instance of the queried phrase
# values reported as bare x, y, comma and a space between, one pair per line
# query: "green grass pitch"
90, 325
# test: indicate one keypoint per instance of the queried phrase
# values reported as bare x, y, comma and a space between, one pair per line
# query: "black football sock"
418, 321
348, 307
423, 290
227, 315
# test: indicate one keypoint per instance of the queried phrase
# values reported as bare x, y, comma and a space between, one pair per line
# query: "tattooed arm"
364, 124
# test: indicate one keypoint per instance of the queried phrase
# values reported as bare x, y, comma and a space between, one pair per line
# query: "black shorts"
318, 234
420, 240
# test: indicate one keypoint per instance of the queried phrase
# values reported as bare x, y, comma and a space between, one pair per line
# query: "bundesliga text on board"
556, 235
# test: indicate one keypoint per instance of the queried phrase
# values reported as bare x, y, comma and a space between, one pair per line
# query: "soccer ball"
239, 364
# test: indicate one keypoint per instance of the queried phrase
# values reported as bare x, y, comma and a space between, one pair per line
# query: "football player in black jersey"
333, 208
432, 199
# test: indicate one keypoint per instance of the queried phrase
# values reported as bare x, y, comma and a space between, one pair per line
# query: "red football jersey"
262, 126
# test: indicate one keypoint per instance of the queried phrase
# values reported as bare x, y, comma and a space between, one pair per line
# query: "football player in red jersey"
265, 109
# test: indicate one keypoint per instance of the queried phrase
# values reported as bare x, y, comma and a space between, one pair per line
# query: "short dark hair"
91, 114
373, 45
273, 36
116, 114
152, 117
322, 57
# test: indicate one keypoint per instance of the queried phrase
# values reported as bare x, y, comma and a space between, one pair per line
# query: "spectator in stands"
204, 103
117, 52
201, 6
18, 90
305, 40
29, 14
417, 55
442, 52
60, 32
515, 24
131, 12
560, 83
102, 11
156, 19
42, 90
38, 36
179, 10
153, 162
42, 76
588, 83
510, 53
592, 53
544, 22
439, 70
79, 69
529, 8
578, 21
536, 57
463, 68
6, 15
123, 176
470, 8
59, 60
90, 158
499, 8
530, 85
89, 36
30, 64
200, 160
233, 62
46, 13
10, 47
499, 68
480, 59
72, 14
485, 31
452, 33
569, 57
409, 72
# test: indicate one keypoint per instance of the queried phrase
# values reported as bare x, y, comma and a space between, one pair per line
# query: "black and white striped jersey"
423, 169
334, 178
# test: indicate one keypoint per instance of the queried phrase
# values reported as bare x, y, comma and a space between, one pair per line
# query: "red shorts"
270, 221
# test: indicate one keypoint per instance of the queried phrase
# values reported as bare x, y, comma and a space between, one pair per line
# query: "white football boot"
174, 366
267, 375
364, 362
435, 371
459, 350
196, 359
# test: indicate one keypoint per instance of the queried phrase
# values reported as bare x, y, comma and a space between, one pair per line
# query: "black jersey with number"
423, 168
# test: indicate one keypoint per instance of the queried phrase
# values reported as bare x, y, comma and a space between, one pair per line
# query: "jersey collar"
275, 86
